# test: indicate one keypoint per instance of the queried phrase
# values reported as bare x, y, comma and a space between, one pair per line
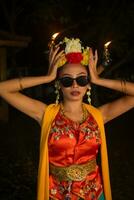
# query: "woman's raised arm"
119, 106
10, 89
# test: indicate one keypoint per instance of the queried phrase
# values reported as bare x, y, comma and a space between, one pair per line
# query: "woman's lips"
75, 93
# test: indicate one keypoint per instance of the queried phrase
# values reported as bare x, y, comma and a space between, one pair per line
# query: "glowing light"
107, 44
52, 40
54, 36
106, 55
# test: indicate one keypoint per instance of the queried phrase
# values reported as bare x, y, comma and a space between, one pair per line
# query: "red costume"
72, 143
65, 153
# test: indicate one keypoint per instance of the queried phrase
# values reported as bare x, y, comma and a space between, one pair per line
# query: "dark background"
95, 23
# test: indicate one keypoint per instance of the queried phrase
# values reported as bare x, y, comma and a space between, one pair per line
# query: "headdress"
74, 52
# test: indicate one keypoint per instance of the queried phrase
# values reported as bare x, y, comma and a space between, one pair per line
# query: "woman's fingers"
53, 55
96, 57
93, 58
52, 48
54, 64
60, 57
50, 53
54, 67
50, 56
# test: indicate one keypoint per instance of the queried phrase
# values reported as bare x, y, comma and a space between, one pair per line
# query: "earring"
88, 95
57, 86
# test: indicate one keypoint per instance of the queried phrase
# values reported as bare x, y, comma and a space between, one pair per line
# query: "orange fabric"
71, 143
43, 174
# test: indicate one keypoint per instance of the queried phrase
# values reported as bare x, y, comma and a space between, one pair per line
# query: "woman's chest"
66, 134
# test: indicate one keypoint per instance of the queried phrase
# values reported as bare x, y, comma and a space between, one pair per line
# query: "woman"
72, 131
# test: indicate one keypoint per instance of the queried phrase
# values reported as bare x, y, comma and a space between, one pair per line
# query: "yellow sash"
43, 173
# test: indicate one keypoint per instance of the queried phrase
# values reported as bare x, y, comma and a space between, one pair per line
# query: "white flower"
72, 45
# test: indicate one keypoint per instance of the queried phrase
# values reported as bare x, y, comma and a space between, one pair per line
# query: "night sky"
95, 23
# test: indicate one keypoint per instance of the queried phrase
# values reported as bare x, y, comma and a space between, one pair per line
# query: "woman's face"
74, 92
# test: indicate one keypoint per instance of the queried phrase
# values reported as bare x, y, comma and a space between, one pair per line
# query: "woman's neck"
72, 107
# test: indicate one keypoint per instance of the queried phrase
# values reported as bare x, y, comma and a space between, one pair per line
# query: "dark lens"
66, 81
82, 80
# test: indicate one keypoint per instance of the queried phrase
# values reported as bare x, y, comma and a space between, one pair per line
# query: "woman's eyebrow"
66, 74
81, 73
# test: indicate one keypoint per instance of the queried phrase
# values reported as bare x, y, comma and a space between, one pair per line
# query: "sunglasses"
68, 81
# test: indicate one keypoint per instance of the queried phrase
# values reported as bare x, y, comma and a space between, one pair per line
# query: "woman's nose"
74, 84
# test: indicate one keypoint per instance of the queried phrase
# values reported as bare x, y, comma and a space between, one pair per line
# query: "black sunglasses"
68, 81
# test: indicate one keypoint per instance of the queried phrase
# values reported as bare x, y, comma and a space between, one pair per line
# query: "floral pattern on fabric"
72, 143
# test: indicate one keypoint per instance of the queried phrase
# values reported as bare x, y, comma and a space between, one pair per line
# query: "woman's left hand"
92, 65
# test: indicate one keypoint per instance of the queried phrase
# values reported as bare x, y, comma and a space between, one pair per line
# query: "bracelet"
20, 83
123, 85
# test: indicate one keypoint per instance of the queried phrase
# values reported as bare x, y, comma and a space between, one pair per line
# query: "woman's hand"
54, 57
93, 58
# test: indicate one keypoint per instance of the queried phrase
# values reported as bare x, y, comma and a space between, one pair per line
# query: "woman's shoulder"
94, 111
91, 107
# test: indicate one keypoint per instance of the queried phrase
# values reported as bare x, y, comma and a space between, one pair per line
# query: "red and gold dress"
71, 143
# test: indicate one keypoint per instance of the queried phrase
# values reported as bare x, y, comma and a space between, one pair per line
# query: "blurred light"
106, 55
52, 40
54, 36
107, 44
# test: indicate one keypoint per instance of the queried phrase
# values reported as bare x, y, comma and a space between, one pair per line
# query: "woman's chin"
75, 98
